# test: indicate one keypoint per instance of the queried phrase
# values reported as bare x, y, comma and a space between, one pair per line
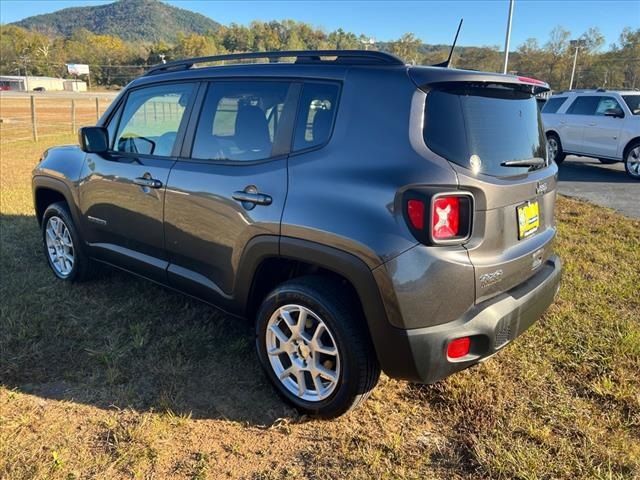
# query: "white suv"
595, 123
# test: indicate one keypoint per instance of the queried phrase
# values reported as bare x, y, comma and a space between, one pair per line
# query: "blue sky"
432, 21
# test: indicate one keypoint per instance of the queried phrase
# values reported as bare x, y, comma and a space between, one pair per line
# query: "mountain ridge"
131, 20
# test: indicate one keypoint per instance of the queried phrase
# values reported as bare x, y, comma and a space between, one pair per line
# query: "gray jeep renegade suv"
366, 214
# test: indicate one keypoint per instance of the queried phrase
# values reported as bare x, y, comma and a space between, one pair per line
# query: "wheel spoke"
317, 383
326, 373
287, 372
279, 334
302, 384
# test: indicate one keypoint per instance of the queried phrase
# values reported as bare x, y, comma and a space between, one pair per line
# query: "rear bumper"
419, 354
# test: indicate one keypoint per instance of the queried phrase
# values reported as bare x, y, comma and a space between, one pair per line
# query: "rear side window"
584, 106
316, 114
481, 127
239, 120
607, 103
553, 105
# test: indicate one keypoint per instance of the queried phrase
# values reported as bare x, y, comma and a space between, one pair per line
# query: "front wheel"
63, 248
314, 347
632, 160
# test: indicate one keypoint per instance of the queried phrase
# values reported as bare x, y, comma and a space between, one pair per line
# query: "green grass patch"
119, 378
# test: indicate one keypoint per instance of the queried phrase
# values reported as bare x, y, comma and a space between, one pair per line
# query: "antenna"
446, 63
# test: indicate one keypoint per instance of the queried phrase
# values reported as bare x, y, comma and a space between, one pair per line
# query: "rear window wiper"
529, 162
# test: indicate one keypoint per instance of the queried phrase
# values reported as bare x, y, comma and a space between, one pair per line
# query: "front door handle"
253, 198
593, 124
147, 182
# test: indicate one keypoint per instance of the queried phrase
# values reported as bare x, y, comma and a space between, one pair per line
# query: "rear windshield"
481, 127
633, 101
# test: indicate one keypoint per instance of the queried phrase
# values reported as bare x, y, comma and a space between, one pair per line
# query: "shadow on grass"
122, 342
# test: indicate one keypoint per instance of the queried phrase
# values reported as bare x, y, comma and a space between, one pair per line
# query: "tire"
632, 160
354, 367
606, 161
60, 240
554, 144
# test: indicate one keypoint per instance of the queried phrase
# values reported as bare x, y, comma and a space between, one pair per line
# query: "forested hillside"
131, 20
121, 39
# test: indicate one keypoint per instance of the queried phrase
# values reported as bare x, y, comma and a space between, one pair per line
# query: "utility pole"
507, 40
576, 44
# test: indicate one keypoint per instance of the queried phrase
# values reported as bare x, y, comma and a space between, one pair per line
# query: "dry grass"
119, 378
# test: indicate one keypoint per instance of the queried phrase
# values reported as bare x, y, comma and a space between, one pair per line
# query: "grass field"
119, 378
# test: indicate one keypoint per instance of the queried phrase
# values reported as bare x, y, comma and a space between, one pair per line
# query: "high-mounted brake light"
459, 347
534, 81
445, 217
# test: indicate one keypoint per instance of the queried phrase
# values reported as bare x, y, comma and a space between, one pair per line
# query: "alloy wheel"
59, 246
303, 353
633, 162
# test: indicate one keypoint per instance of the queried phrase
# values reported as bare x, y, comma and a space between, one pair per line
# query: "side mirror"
93, 139
614, 112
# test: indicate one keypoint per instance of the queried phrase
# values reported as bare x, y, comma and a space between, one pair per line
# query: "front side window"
584, 106
607, 103
151, 119
240, 120
553, 105
318, 105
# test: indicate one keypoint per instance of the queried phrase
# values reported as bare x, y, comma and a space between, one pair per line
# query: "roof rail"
360, 57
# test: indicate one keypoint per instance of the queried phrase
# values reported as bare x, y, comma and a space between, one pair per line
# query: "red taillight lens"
415, 211
459, 347
445, 218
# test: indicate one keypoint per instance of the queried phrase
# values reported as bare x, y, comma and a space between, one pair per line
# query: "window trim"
116, 116
281, 144
333, 123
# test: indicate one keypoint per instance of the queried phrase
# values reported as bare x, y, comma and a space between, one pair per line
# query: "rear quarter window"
316, 115
553, 105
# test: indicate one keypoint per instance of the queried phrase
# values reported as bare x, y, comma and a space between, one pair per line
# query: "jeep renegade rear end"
364, 214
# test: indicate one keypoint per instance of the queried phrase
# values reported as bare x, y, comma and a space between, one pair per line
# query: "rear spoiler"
425, 76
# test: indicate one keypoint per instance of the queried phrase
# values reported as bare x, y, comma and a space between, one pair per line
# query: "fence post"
34, 126
73, 115
97, 109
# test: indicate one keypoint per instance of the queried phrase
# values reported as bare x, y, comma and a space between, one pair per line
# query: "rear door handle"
147, 182
593, 124
252, 198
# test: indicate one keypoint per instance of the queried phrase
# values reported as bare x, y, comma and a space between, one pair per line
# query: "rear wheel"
555, 148
63, 248
606, 161
632, 160
314, 347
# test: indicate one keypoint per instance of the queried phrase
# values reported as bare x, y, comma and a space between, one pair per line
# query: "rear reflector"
445, 218
459, 347
415, 211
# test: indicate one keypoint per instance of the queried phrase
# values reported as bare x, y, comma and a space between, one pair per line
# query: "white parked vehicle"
604, 124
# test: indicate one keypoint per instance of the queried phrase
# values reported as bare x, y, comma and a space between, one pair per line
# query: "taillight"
415, 212
445, 218
459, 347
438, 218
